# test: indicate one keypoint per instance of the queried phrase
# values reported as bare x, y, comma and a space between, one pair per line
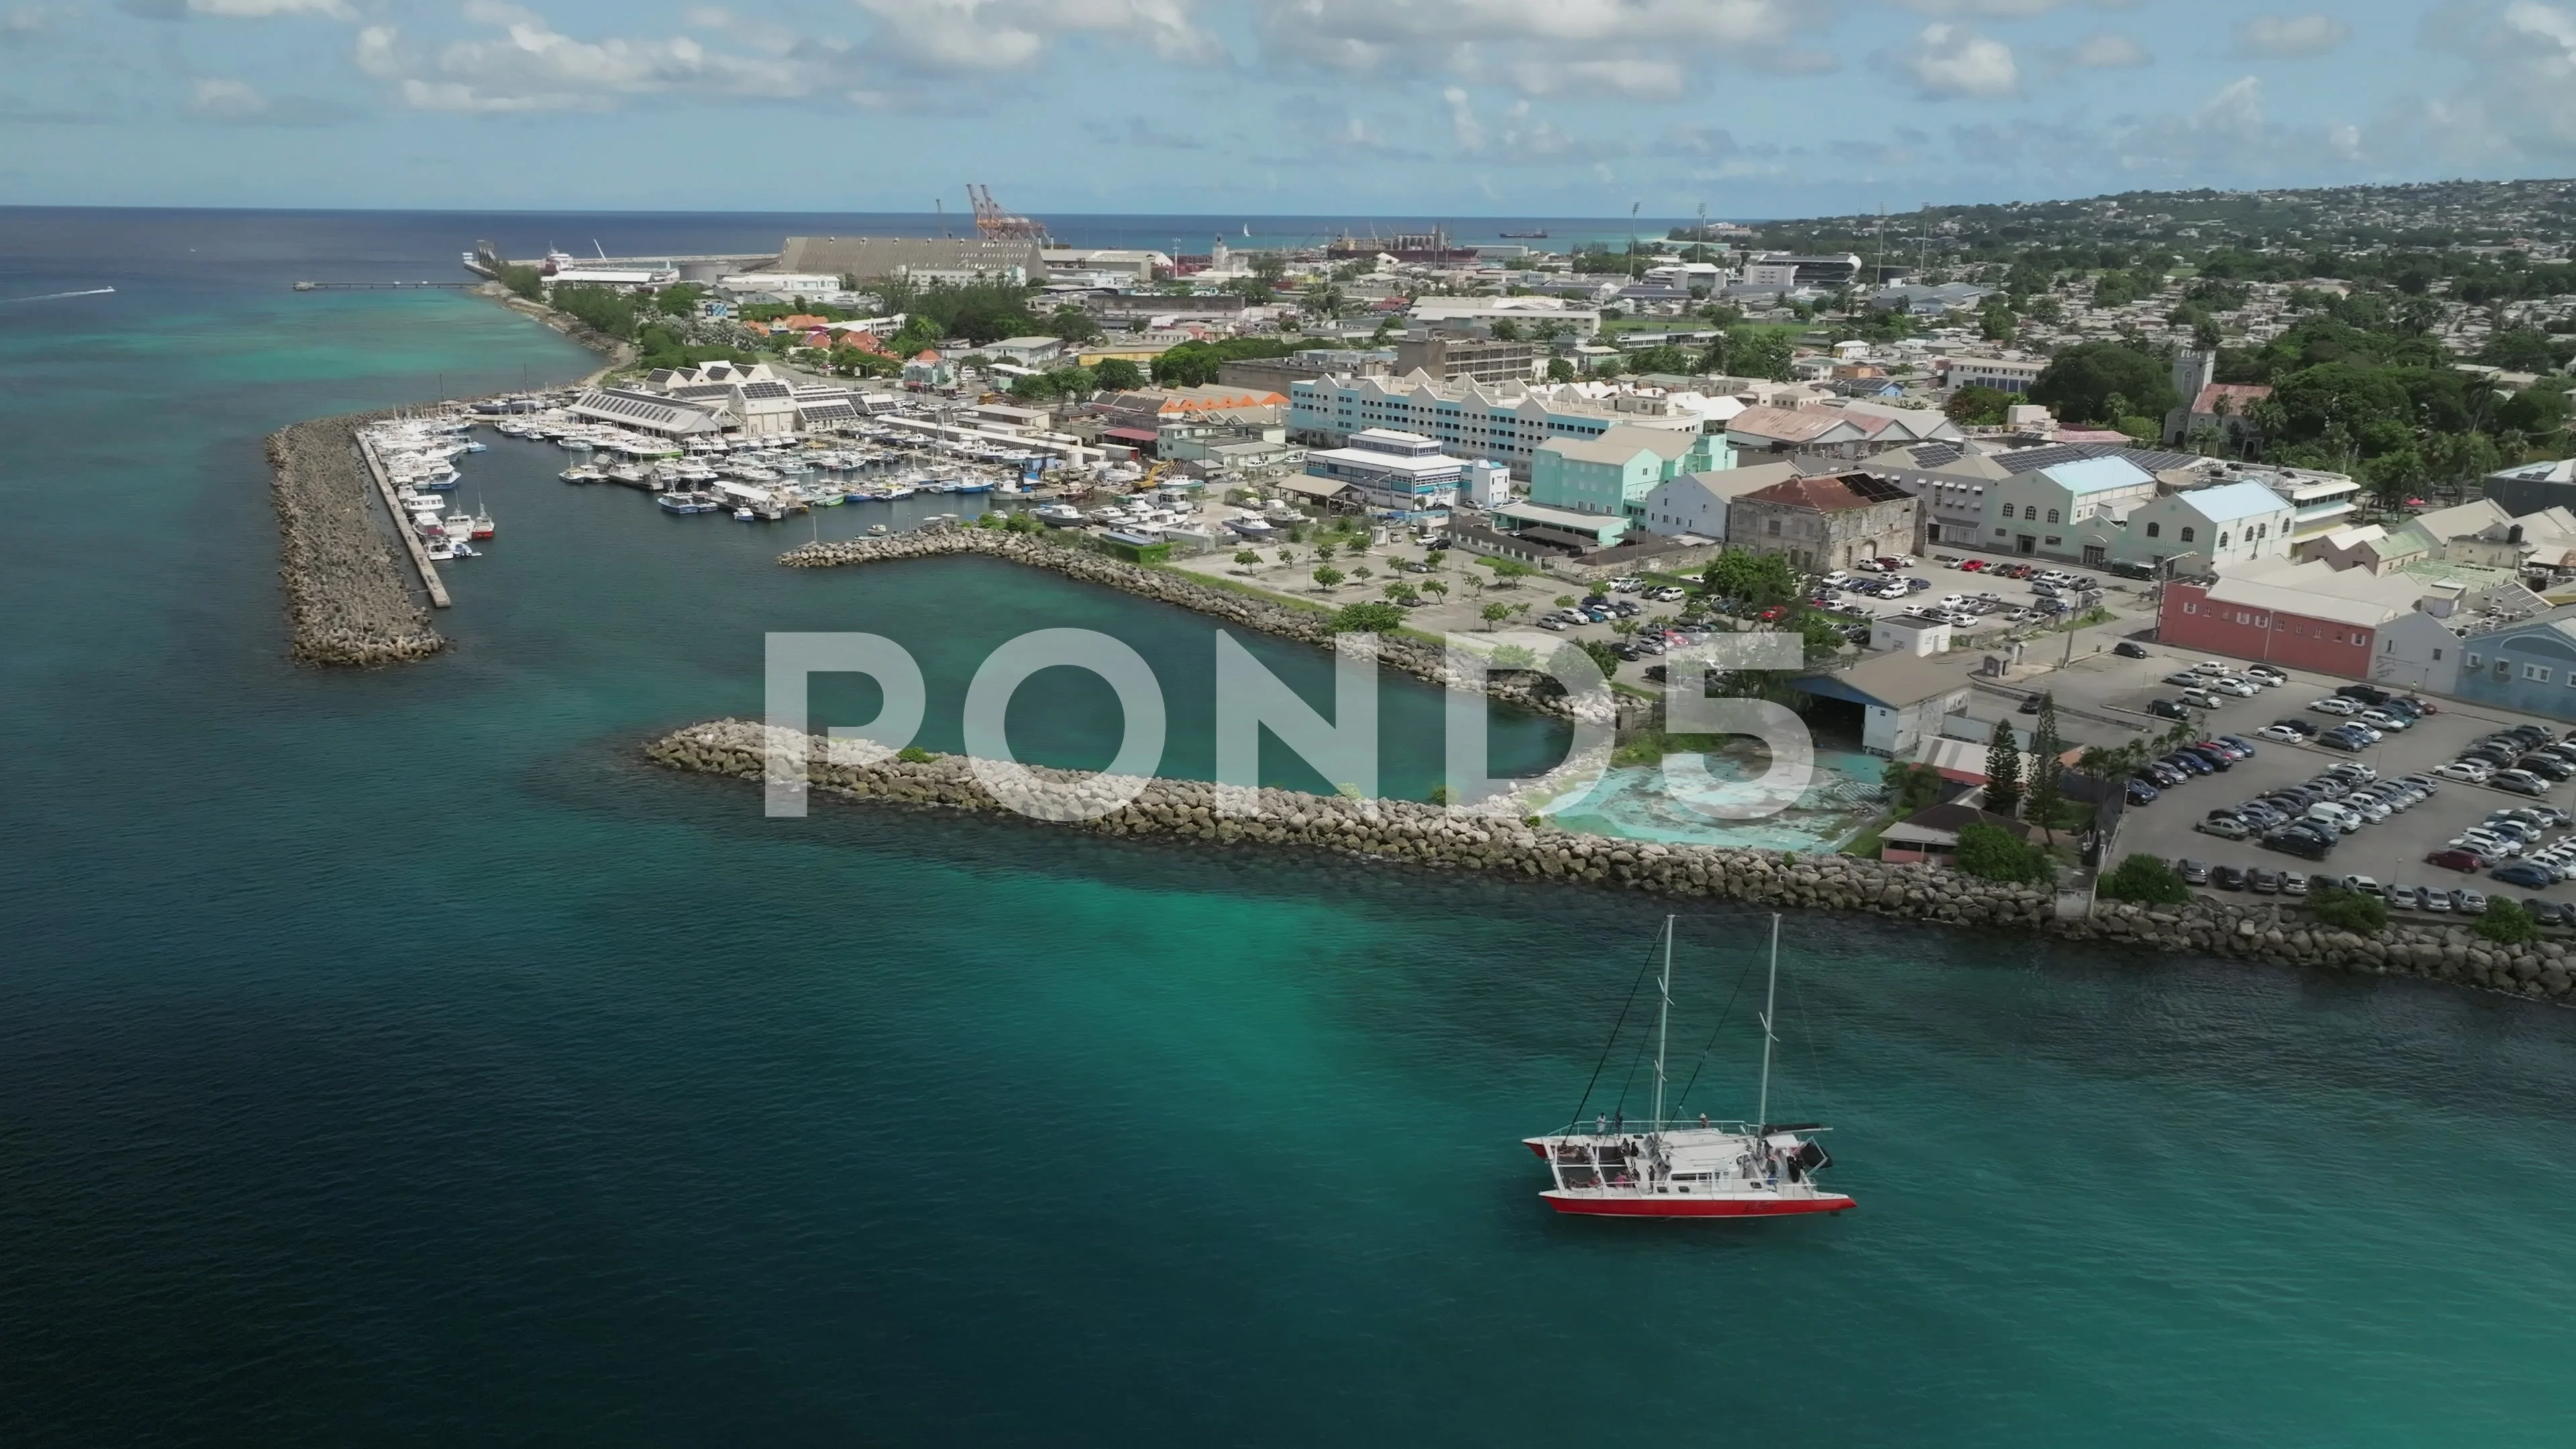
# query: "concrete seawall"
1306, 626
1426, 835
349, 599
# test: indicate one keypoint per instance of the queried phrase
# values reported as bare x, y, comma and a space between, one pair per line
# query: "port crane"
994, 224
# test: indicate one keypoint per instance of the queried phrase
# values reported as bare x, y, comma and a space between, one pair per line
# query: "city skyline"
1266, 107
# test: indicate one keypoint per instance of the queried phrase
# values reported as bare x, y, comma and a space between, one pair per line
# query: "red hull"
1648, 1207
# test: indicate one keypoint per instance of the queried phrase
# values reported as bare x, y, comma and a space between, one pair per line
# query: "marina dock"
411, 540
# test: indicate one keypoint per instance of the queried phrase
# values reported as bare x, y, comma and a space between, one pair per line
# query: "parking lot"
2390, 851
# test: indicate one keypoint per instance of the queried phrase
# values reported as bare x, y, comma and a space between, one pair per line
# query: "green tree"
1117, 374
1323, 553
2003, 771
1367, 618
1400, 592
1752, 581
2080, 383
1990, 852
1559, 370
1603, 654
1494, 614
1914, 787
2047, 773
1246, 557
2348, 910
1073, 324
1515, 656
1506, 330
2147, 880
1978, 406
1508, 571
2506, 921
524, 281
1327, 577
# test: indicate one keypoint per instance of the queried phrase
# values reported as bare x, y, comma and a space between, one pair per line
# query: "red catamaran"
1691, 1169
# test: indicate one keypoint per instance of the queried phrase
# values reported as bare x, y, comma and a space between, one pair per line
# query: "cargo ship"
1428, 248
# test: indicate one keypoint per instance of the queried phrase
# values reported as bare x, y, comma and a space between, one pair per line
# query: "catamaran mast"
1663, 1023
1770, 997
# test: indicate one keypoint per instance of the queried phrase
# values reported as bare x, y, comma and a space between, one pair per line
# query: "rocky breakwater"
1400, 830
348, 597
1310, 626
2280, 934
1428, 835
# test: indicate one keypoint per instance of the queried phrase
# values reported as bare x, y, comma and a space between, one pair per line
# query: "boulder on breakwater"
1422, 660
1429, 835
348, 596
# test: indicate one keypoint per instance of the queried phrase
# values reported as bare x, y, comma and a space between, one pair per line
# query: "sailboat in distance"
1690, 1169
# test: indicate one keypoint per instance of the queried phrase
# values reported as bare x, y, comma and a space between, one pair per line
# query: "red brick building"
2298, 616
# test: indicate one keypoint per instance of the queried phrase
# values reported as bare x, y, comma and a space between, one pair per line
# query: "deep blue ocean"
393, 1057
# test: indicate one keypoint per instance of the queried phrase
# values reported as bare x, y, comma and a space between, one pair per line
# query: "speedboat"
438, 550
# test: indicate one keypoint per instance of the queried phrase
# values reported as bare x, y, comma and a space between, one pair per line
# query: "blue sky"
1455, 107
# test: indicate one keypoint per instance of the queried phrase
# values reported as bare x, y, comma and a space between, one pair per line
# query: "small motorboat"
745, 515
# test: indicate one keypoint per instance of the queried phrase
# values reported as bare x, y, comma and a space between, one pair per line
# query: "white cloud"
2291, 37
25, 22
1998, 9
531, 66
1636, 78
2520, 106
2108, 51
968, 35
1636, 48
1953, 61
226, 100
1464, 128
263, 9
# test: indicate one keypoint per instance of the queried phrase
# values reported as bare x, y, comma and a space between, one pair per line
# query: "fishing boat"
1661, 1168
1057, 515
483, 525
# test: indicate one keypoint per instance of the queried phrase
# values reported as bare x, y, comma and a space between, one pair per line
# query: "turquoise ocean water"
392, 1057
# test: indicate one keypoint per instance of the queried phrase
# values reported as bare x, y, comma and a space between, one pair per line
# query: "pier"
429, 579
383, 286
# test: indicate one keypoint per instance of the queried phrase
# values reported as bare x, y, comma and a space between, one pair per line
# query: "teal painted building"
1611, 475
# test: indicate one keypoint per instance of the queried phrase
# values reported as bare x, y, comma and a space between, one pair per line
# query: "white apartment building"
1504, 422
1526, 313
2004, 374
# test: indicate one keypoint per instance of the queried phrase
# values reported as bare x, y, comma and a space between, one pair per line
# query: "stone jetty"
1430, 836
348, 596
1417, 657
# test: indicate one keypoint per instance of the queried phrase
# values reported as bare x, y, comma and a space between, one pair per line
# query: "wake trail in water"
58, 296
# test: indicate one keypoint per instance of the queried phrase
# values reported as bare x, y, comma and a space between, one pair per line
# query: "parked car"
2263, 881
2141, 792
2523, 873
2457, 857
2167, 709
2268, 674
2335, 704
2304, 729
2202, 699
2468, 902
2294, 882
2520, 782
2546, 912
2224, 827
2404, 897
2228, 878
2279, 735
2193, 872
2130, 649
